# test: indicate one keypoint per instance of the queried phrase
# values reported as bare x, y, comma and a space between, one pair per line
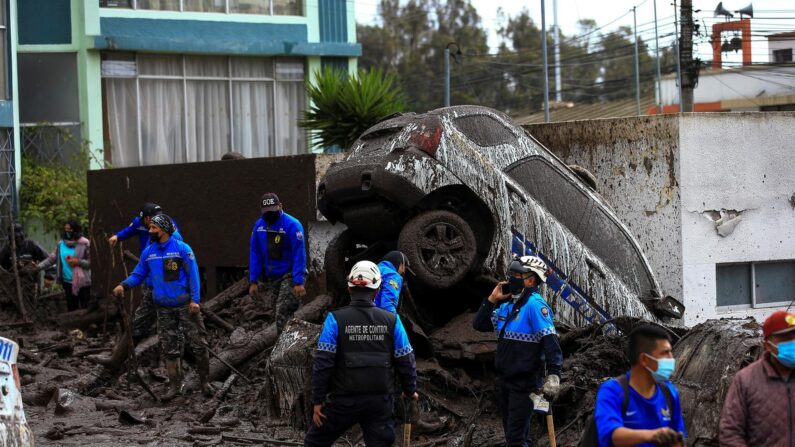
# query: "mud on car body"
463, 188
14, 430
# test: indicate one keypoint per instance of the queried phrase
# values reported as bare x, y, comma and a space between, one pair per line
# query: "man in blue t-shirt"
652, 416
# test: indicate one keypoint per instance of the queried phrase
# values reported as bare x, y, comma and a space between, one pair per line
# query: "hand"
551, 387
299, 291
193, 307
665, 437
118, 291
252, 289
497, 295
318, 416
415, 397
73, 262
112, 240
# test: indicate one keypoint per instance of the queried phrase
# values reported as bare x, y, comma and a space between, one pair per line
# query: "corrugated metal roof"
613, 109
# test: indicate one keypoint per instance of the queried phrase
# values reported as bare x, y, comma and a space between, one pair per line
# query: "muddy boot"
117, 358
203, 368
174, 380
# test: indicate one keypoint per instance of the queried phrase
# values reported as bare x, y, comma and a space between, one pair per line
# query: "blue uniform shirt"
277, 250
534, 321
137, 228
391, 283
328, 337
642, 413
172, 268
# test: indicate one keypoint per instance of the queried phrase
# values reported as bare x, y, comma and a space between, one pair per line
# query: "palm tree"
343, 106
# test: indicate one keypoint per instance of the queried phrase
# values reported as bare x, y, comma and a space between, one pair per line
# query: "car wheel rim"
442, 249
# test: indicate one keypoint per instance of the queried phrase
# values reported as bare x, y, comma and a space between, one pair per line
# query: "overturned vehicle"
461, 189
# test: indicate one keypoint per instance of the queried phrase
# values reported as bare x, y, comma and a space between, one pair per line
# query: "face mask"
665, 368
786, 353
68, 235
516, 285
154, 237
271, 216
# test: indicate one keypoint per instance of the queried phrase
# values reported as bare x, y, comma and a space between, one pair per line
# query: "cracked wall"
738, 184
636, 165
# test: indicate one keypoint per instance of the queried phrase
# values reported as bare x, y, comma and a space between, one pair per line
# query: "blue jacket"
173, 270
138, 228
277, 250
529, 341
391, 283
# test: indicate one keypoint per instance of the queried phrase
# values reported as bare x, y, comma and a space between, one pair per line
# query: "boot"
203, 368
174, 380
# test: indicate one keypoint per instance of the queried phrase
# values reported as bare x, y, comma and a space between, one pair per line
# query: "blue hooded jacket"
173, 271
277, 250
391, 284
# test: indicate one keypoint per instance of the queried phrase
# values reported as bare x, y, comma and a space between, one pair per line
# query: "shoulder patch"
190, 255
299, 235
393, 283
545, 311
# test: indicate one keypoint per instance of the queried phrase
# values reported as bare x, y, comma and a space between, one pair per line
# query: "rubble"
264, 397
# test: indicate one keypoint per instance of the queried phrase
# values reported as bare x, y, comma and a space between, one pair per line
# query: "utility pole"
558, 93
676, 55
657, 55
637, 61
447, 76
686, 56
546, 67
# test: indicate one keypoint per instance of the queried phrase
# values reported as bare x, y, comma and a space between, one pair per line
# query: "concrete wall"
635, 161
734, 161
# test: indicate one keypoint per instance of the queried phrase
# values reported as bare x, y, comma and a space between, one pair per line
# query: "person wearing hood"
393, 270
72, 261
172, 268
353, 378
277, 257
527, 345
28, 250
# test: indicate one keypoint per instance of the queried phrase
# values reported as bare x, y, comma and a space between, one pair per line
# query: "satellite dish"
747, 11
721, 11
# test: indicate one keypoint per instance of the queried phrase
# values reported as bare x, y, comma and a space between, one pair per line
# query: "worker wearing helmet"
360, 348
526, 343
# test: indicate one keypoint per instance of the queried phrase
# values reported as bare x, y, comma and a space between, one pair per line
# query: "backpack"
590, 437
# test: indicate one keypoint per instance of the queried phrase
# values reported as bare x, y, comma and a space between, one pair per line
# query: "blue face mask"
665, 368
786, 353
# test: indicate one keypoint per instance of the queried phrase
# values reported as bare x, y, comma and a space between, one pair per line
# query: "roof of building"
785, 35
612, 109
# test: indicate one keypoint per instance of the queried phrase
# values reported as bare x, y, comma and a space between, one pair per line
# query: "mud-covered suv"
14, 430
463, 188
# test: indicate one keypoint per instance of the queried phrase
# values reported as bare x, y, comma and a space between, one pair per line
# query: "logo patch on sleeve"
190, 255
545, 311
299, 235
393, 283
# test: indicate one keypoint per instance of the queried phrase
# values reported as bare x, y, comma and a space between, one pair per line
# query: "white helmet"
527, 264
364, 274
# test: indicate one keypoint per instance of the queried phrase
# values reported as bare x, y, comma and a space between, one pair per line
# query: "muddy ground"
70, 399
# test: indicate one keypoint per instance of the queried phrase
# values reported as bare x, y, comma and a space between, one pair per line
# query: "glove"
666, 438
551, 387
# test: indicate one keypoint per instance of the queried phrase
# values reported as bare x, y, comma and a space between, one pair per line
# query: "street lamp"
447, 70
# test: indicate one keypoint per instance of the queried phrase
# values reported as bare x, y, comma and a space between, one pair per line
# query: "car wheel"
441, 247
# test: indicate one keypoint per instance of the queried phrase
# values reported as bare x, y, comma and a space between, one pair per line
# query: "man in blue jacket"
393, 270
359, 348
526, 343
171, 266
651, 415
277, 255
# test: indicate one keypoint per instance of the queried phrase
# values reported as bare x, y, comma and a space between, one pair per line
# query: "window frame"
134, 7
229, 79
752, 287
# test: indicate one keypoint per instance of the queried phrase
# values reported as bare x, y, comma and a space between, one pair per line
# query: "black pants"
79, 301
516, 408
372, 412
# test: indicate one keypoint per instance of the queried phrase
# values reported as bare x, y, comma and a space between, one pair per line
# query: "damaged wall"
635, 161
737, 181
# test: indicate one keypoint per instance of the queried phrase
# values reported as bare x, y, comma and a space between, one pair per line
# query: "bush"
53, 193
343, 107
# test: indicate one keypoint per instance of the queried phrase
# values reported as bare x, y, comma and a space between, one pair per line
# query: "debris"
725, 220
128, 418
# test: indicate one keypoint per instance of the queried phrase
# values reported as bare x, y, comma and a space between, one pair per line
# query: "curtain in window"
162, 121
162, 5
122, 114
208, 120
252, 118
205, 5
250, 6
290, 106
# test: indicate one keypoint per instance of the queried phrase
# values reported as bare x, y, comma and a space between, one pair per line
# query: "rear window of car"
484, 130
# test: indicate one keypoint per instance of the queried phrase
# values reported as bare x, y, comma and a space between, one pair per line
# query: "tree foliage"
343, 107
53, 193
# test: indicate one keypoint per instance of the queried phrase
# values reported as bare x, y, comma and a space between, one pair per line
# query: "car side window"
484, 130
585, 218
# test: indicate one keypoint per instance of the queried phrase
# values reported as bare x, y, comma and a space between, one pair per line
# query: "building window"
172, 109
263, 7
3, 52
755, 284
782, 56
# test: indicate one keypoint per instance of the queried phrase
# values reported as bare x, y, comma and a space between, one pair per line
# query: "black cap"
398, 257
269, 202
150, 209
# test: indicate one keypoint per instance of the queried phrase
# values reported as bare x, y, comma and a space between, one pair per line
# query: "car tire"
440, 246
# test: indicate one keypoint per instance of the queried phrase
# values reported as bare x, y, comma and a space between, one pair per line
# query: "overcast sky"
770, 16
